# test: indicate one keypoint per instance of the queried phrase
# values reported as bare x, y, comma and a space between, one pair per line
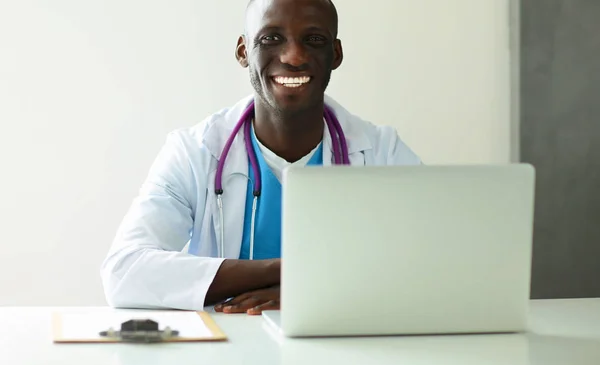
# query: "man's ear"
338, 54
241, 53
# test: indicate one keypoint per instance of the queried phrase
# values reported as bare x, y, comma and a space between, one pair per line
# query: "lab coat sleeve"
145, 267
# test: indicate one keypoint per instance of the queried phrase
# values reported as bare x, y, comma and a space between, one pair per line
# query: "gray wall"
560, 136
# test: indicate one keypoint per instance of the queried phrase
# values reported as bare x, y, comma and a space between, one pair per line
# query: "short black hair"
333, 8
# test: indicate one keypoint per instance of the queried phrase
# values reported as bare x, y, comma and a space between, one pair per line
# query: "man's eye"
316, 39
268, 39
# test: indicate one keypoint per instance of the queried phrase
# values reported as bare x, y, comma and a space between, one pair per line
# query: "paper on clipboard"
85, 326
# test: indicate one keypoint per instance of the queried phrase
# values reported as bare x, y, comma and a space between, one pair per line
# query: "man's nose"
294, 54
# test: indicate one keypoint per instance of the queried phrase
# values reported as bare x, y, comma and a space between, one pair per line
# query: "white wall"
89, 89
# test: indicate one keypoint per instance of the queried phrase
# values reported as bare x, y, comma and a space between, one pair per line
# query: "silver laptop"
405, 250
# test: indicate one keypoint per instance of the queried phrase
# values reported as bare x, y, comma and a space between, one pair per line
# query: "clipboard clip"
140, 331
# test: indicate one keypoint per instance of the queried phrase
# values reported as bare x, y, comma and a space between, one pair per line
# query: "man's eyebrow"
315, 28
268, 29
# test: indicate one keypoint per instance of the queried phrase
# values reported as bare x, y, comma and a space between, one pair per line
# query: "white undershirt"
278, 164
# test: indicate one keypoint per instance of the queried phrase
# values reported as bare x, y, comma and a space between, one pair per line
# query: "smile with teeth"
292, 81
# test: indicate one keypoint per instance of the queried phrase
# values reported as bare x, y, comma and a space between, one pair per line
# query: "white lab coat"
149, 265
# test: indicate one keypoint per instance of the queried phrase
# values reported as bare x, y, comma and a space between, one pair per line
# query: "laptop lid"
406, 249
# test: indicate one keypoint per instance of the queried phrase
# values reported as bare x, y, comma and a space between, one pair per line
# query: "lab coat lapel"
235, 185
357, 158
235, 179
327, 148
356, 139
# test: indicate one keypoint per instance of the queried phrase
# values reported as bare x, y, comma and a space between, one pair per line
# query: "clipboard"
86, 326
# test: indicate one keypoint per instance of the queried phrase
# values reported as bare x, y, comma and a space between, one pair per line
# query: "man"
290, 48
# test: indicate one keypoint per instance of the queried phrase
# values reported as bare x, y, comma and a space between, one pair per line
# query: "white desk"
563, 332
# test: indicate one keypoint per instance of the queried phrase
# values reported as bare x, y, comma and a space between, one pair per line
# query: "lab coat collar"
221, 125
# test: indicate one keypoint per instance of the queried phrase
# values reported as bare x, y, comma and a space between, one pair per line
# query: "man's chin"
290, 105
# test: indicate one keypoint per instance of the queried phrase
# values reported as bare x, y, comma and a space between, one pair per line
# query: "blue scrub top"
267, 230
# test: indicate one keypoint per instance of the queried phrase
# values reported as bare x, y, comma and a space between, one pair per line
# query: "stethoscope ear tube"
221, 163
222, 228
341, 138
253, 159
334, 142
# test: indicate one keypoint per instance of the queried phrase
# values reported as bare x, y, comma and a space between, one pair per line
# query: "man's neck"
290, 137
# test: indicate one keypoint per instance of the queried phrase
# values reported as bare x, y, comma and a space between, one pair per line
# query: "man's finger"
242, 307
219, 306
232, 301
270, 305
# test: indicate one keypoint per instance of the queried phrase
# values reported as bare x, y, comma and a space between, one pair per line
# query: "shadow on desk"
478, 349
555, 350
421, 350
414, 350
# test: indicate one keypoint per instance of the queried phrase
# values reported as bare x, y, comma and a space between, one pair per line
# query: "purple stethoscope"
340, 157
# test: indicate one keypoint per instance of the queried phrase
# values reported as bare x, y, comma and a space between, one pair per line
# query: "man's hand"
241, 276
253, 302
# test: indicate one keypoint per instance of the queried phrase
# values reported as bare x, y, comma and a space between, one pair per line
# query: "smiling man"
205, 228
290, 48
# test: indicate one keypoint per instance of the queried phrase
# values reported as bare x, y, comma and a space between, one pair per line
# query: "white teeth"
292, 81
